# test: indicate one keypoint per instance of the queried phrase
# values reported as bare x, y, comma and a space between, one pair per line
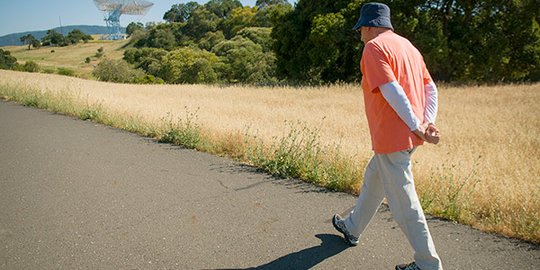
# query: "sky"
31, 15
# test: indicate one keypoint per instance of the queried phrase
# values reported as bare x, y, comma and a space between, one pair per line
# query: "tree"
190, 65
77, 35
465, 41
245, 61
260, 36
134, 26
222, 8
266, 3
115, 71
53, 38
239, 18
211, 39
31, 41
201, 22
298, 36
270, 15
7, 61
180, 12
148, 59
161, 36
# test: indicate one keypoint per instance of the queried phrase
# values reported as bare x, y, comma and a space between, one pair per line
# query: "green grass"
67, 104
185, 132
299, 154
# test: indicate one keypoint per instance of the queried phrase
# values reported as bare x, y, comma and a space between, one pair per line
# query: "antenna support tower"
113, 9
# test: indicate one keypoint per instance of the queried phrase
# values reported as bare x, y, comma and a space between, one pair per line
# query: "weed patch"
182, 131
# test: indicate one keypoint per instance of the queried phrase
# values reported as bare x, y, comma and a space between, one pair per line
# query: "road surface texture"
79, 195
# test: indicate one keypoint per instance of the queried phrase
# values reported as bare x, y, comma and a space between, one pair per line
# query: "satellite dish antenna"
113, 9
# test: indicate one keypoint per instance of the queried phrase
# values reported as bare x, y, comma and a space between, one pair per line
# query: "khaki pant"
390, 176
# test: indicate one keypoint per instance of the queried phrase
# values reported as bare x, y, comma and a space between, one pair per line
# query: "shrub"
30, 66
7, 61
185, 132
48, 70
115, 71
65, 71
99, 52
148, 79
87, 60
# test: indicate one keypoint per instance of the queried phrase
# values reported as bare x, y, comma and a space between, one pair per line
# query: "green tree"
7, 61
180, 12
211, 39
77, 35
161, 36
201, 21
245, 62
259, 35
266, 3
271, 15
53, 38
318, 25
116, 71
464, 41
30, 40
148, 59
238, 19
222, 8
190, 65
134, 26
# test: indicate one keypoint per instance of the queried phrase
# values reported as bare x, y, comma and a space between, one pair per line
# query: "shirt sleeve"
395, 96
376, 68
430, 91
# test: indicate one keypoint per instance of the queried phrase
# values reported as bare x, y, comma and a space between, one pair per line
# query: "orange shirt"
386, 58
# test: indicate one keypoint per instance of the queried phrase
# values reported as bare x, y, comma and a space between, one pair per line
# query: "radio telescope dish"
113, 9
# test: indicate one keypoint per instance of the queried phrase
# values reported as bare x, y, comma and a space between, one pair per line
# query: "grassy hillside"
72, 57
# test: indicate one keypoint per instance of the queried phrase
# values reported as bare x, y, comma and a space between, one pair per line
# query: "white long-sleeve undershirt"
432, 102
395, 96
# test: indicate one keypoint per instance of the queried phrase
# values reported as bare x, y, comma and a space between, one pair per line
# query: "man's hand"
428, 132
432, 134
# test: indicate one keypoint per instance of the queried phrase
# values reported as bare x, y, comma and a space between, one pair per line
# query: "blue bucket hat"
374, 15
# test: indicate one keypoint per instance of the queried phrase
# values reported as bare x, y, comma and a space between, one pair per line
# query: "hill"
14, 39
72, 57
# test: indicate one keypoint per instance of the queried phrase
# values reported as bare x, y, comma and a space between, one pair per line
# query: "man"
401, 106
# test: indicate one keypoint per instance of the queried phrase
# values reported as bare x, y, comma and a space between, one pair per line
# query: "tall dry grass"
485, 172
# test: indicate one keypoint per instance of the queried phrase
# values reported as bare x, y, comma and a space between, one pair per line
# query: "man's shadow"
307, 258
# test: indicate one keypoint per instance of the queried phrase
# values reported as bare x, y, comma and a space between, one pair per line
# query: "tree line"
461, 40
222, 41
54, 38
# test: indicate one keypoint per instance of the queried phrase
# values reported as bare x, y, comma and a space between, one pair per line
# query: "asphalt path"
78, 195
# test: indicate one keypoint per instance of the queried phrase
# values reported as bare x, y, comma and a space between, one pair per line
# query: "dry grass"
72, 56
486, 171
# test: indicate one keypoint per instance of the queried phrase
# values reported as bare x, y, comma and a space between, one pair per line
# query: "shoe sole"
344, 235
